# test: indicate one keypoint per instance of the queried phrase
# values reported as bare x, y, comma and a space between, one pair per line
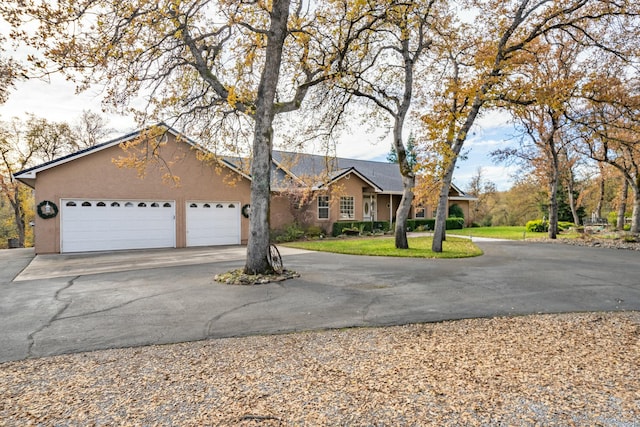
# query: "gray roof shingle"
386, 176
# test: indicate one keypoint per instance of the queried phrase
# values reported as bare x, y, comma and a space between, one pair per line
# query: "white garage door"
104, 225
213, 223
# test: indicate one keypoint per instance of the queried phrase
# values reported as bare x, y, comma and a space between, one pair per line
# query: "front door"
369, 207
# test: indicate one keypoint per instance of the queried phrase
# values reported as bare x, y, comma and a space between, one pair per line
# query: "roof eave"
32, 172
287, 171
28, 180
233, 167
355, 171
461, 198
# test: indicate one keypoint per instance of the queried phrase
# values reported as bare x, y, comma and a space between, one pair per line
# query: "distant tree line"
29, 142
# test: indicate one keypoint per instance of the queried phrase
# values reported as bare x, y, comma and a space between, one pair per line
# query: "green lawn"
419, 247
509, 232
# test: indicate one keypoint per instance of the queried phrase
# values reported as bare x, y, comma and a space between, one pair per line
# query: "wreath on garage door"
47, 209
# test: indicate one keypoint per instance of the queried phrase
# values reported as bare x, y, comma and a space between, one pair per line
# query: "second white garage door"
213, 223
105, 225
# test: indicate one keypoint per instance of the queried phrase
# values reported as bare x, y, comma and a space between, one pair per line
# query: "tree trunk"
18, 215
622, 206
572, 200
408, 179
406, 168
553, 153
635, 215
402, 214
600, 194
259, 229
553, 206
439, 232
258, 245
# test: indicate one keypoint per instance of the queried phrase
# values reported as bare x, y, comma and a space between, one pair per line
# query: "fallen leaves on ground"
569, 369
239, 277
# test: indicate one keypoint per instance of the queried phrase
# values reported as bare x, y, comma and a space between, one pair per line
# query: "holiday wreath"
47, 209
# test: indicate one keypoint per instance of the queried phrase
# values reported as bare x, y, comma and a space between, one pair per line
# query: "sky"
57, 101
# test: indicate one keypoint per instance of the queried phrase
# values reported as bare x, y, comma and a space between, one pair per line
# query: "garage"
105, 225
213, 223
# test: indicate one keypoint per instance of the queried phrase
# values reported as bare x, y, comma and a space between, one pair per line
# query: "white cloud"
57, 101
491, 119
478, 142
364, 145
501, 176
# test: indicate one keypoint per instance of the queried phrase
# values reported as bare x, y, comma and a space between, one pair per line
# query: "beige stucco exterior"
351, 185
386, 205
96, 176
464, 204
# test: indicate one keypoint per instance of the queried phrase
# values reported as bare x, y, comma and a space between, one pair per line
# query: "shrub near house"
384, 226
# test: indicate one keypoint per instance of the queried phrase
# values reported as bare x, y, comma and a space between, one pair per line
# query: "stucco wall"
95, 176
388, 206
464, 205
280, 214
350, 185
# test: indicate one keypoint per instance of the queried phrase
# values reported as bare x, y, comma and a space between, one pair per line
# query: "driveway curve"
175, 302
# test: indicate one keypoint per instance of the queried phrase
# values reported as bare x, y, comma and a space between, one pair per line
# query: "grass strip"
419, 247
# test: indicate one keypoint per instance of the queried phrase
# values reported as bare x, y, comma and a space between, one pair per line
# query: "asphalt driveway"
63, 303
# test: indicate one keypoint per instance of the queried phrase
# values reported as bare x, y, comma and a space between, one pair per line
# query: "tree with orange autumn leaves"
386, 77
609, 123
540, 94
480, 60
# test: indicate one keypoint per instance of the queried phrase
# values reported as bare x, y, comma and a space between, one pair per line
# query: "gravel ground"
568, 369
594, 242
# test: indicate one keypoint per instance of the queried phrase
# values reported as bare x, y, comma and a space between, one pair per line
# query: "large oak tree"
384, 75
213, 66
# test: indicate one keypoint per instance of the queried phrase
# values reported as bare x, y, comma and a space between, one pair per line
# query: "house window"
347, 207
419, 212
323, 207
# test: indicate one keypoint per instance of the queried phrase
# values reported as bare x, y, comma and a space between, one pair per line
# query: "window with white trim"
347, 208
420, 212
323, 207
